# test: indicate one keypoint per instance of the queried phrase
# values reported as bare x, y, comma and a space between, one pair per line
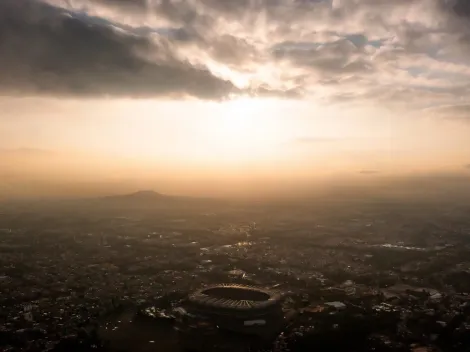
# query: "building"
224, 315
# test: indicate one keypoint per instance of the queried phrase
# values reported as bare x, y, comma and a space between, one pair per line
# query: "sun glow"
242, 131
245, 129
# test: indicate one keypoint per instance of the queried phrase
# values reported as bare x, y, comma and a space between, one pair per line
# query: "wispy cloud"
457, 111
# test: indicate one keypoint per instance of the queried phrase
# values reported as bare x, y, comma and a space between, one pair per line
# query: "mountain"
152, 198
143, 196
138, 200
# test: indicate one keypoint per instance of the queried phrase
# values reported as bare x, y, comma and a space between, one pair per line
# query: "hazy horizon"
30, 174
214, 98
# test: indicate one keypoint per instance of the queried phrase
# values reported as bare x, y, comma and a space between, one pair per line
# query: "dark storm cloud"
47, 51
462, 8
197, 22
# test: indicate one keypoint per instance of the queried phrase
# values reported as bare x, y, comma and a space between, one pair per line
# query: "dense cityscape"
107, 274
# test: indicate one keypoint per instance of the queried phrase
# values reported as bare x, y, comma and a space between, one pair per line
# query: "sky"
232, 91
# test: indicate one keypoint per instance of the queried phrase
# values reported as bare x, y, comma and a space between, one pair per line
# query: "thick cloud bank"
407, 53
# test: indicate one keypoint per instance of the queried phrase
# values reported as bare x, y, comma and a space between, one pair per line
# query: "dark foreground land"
104, 275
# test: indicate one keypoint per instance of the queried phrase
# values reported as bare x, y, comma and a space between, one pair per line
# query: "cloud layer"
48, 51
406, 53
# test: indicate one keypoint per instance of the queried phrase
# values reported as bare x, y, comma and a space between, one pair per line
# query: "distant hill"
152, 198
139, 196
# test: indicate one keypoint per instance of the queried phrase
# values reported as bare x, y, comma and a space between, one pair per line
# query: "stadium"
217, 313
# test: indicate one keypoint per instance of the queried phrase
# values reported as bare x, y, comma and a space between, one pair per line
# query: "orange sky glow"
231, 97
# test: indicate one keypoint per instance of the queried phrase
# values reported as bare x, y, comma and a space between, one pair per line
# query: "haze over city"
227, 97
234, 175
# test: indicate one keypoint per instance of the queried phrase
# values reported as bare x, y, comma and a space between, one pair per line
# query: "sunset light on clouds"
246, 88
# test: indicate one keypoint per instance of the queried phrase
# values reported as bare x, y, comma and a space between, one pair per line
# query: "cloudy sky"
295, 87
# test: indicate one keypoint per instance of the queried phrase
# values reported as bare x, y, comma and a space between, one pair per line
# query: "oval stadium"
216, 312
